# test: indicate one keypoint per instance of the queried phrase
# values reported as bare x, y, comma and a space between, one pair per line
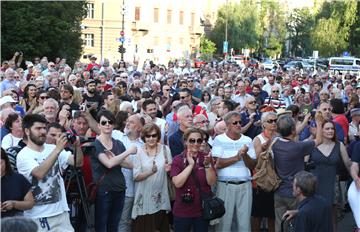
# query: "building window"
89, 40
137, 13
192, 19
181, 17
90, 10
169, 16
156, 15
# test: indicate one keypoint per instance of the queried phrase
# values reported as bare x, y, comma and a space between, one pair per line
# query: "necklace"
148, 153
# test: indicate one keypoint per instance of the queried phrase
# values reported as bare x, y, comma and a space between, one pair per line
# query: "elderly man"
9, 82
354, 125
235, 157
130, 137
271, 83
250, 119
51, 108
200, 121
242, 95
274, 100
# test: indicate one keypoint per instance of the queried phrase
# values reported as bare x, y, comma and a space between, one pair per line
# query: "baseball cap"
90, 81
6, 99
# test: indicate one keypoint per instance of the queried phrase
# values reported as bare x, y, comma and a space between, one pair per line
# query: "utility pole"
122, 30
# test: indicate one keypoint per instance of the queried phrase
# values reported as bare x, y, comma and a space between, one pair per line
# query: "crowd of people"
164, 136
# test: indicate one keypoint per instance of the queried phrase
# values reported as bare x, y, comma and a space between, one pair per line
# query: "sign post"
225, 48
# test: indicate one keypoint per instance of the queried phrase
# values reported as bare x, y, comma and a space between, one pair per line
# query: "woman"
106, 165
354, 189
29, 99
263, 202
64, 115
205, 99
151, 166
188, 168
326, 158
220, 92
14, 124
41, 96
16, 195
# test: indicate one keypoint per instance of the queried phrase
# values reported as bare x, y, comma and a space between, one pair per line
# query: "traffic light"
121, 49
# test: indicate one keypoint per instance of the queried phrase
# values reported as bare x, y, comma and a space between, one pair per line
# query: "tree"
43, 28
354, 37
207, 48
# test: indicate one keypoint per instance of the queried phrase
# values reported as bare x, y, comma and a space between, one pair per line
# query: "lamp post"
122, 51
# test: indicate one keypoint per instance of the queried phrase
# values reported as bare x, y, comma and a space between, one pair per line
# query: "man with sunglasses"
195, 92
235, 157
274, 100
250, 119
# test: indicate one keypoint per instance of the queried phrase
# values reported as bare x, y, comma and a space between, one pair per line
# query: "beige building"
159, 30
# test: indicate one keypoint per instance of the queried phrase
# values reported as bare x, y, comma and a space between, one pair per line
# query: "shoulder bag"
265, 175
171, 187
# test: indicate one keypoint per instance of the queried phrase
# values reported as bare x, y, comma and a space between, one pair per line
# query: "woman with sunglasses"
188, 169
29, 99
151, 166
41, 96
263, 202
106, 165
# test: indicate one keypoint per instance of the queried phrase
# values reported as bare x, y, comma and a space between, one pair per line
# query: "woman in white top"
14, 124
263, 202
151, 166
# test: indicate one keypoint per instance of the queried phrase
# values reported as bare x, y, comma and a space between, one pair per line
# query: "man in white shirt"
42, 164
150, 108
271, 83
235, 157
130, 137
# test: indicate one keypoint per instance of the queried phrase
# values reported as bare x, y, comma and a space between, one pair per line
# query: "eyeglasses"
190, 81
203, 122
275, 91
198, 141
252, 102
183, 97
300, 80
326, 109
271, 121
109, 122
151, 136
44, 97
237, 123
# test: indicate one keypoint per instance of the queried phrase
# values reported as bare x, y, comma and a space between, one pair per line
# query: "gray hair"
306, 181
18, 224
285, 125
265, 115
51, 101
212, 100
229, 115
124, 105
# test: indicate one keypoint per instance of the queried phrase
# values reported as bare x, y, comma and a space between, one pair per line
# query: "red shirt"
344, 123
193, 209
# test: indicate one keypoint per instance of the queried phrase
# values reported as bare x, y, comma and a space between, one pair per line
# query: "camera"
187, 197
70, 137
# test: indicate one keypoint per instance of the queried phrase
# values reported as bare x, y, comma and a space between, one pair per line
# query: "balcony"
137, 26
196, 30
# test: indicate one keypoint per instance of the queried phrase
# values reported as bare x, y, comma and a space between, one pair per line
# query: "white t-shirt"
161, 123
9, 141
225, 147
128, 173
49, 193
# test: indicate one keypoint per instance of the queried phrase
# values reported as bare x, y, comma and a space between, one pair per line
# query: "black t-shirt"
96, 100
13, 187
114, 179
355, 157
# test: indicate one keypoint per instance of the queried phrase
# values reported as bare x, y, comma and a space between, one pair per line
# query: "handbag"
171, 187
265, 175
212, 206
93, 188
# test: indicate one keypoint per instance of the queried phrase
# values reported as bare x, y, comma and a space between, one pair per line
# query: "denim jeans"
108, 209
197, 224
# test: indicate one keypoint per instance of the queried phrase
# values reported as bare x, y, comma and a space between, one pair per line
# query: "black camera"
187, 197
70, 137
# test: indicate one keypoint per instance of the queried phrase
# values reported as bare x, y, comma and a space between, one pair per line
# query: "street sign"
122, 39
122, 33
315, 54
346, 54
225, 47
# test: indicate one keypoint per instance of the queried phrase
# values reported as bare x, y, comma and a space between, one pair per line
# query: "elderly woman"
16, 195
263, 202
14, 124
106, 165
189, 167
151, 167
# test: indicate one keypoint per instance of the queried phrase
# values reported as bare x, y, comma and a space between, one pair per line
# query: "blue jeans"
108, 209
197, 224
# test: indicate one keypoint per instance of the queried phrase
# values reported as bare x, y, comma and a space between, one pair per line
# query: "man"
54, 131
130, 137
354, 124
185, 119
274, 100
271, 83
9, 82
149, 107
51, 108
312, 214
49, 70
173, 125
242, 95
213, 108
225, 107
108, 99
42, 165
235, 158
166, 99
195, 92
200, 121
92, 97
67, 94
256, 92
286, 95
228, 92
250, 119
93, 66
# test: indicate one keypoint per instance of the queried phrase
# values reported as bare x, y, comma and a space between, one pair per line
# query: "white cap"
6, 99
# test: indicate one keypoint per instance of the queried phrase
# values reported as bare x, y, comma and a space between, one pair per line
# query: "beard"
38, 140
92, 91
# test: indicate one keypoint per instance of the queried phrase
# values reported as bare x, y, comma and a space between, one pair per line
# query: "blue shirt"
176, 143
252, 130
6, 84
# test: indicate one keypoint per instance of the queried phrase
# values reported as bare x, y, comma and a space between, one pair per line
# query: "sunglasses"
151, 136
190, 81
109, 122
252, 102
166, 89
183, 97
237, 123
198, 141
271, 121
44, 97
275, 91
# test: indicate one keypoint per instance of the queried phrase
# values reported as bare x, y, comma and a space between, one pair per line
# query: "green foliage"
207, 48
43, 28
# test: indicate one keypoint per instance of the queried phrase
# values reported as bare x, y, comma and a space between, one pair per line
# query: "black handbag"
212, 206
